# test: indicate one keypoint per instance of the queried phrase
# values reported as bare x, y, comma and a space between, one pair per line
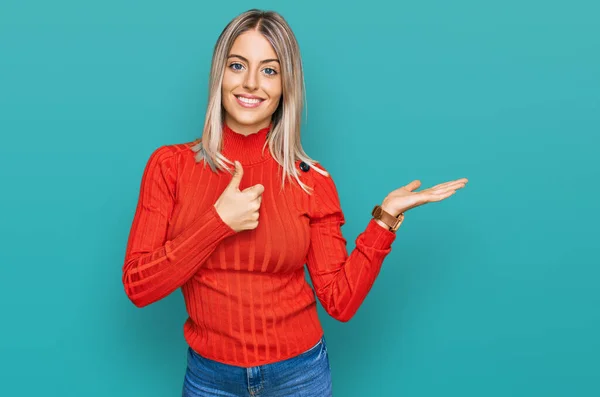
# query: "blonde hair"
284, 137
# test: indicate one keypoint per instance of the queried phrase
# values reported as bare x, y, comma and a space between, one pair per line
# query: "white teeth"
249, 101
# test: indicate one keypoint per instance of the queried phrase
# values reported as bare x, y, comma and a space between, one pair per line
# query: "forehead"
253, 45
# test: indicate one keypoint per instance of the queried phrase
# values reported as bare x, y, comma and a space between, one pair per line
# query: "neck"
246, 148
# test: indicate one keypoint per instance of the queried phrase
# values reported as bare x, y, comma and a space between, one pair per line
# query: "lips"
248, 101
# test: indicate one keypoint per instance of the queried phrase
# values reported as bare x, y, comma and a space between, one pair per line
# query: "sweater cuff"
376, 236
220, 222
207, 229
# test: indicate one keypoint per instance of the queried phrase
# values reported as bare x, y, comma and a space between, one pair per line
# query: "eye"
236, 66
270, 71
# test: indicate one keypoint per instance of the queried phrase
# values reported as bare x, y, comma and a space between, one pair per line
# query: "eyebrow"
246, 60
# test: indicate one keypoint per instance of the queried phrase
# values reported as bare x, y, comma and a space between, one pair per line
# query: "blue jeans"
307, 374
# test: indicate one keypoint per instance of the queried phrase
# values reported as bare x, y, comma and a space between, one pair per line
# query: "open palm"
405, 198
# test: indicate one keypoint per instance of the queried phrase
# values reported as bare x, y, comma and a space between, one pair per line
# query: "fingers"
440, 196
443, 190
254, 191
457, 181
410, 187
413, 185
444, 187
255, 195
417, 183
447, 192
258, 199
443, 193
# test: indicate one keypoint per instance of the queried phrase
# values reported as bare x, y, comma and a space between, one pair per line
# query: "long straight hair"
284, 137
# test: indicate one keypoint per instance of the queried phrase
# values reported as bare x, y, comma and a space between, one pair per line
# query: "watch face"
398, 223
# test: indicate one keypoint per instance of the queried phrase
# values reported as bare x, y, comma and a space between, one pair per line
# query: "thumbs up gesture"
239, 209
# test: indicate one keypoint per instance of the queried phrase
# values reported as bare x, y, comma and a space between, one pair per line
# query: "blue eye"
236, 66
270, 71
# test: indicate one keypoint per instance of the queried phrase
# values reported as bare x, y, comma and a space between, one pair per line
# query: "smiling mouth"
248, 102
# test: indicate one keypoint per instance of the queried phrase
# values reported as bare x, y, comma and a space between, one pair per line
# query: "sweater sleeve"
154, 265
341, 281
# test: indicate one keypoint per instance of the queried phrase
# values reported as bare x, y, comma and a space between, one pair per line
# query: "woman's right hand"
239, 209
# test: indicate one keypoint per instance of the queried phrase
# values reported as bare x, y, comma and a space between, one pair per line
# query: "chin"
249, 118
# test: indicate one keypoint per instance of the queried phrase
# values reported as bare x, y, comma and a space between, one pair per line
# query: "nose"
250, 81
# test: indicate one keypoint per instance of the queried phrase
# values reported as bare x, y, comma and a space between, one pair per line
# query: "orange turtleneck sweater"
246, 294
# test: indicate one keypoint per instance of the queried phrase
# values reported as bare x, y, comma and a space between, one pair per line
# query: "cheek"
274, 90
230, 81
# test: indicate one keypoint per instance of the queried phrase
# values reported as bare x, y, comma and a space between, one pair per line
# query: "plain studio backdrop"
492, 292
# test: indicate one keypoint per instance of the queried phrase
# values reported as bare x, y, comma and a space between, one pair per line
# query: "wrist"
385, 205
386, 219
383, 225
388, 209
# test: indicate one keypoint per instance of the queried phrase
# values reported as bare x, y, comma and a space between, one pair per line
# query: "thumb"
413, 185
237, 176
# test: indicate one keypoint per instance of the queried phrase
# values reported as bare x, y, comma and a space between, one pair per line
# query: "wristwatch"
390, 220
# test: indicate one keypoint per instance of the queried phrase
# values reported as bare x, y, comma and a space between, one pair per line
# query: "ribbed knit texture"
246, 294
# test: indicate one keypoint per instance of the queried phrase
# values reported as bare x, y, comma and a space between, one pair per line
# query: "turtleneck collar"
246, 149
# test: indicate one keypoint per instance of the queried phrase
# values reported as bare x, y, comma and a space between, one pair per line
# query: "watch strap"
391, 221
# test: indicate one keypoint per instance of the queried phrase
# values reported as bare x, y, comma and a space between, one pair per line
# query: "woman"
236, 244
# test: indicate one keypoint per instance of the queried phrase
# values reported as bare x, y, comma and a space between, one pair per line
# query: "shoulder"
169, 153
315, 174
321, 182
165, 162
324, 201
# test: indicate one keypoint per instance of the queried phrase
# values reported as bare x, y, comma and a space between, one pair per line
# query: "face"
251, 88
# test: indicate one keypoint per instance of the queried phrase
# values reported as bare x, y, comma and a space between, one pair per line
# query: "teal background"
493, 292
